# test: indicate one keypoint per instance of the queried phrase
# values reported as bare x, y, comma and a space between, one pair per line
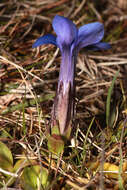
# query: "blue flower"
70, 40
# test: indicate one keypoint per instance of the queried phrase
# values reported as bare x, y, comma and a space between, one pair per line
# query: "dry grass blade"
6, 61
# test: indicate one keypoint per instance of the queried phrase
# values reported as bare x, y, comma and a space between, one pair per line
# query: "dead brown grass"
28, 80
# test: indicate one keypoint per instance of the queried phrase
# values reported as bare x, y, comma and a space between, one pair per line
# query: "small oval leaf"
5, 154
34, 177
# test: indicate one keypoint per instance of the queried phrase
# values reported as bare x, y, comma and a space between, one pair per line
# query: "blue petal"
90, 34
99, 46
46, 39
65, 29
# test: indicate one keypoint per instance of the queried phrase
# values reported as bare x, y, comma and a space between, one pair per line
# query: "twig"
78, 9
8, 173
6, 61
111, 63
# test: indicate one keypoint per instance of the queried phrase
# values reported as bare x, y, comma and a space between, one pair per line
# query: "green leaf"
110, 90
5, 134
6, 163
5, 156
34, 177
55, 144
55, 130
23, 163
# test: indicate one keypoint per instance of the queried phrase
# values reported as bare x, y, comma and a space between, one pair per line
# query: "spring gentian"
70, 40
